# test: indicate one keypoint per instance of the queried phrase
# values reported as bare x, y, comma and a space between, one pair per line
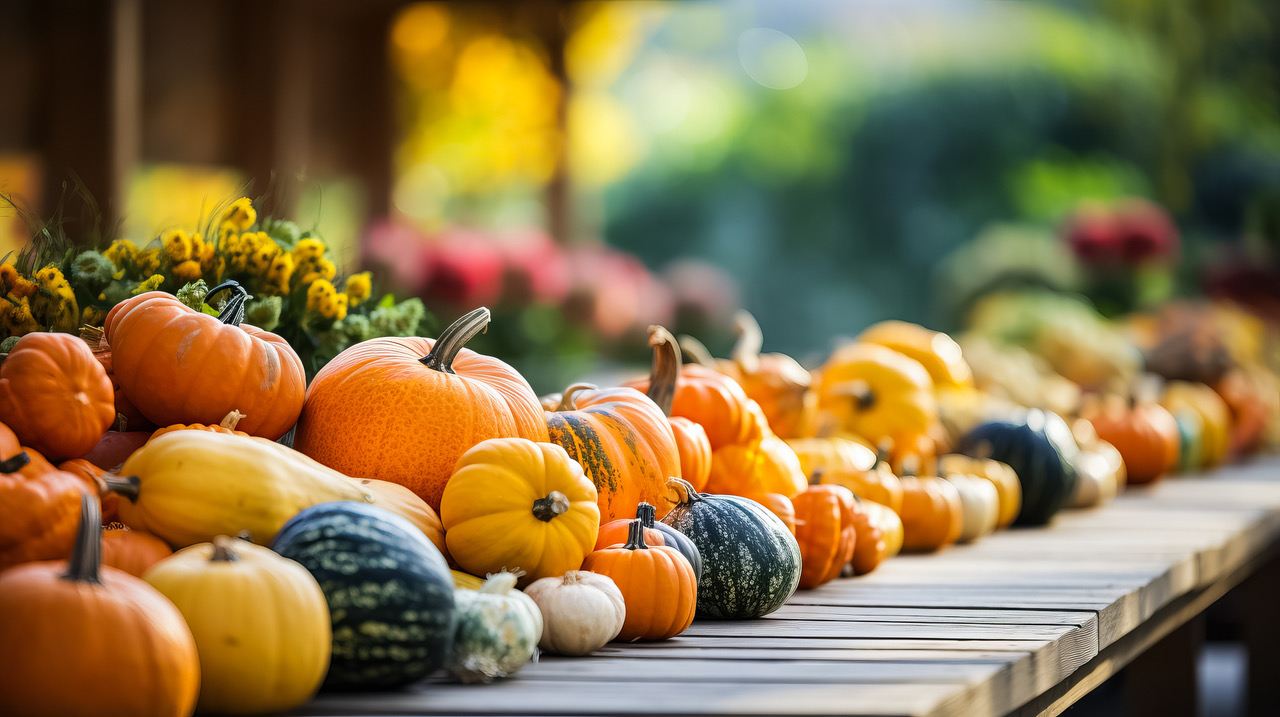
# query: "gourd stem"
224, 550
555, 504
499, 583
635, 536
85, 565
746, 352
573, 577
646, 513
126, 486
231, 420
666, 368
233, 311
15, 463
454, 338
684, 491
815, 478
860, 391
566, 399
696, 351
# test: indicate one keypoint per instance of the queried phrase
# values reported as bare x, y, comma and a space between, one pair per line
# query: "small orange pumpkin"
775, 381
41, 505
871, 546
1146, 435
55, 395
932, 515
691, 438
826, 530
92, 477
657, 585
132, 551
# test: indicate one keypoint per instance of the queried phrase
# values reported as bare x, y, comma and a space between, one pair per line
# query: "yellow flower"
316, 268
152, 283
207, 255
121, 251
178, 247
16, 316
226, 236
240, 214
148, 262
308, 249
14, 284
319, 295
56, 304
339, 311
221, 266
359, 287
278, 275
265, 250
188, 270
92, 317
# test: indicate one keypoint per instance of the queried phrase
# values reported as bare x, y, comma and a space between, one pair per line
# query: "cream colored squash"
980, 506
581, 611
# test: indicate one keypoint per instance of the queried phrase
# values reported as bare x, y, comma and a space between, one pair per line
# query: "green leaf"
387, 301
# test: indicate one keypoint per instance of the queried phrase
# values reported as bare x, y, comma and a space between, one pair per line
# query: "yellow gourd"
938, 353
877, 393
260, 621
189, 487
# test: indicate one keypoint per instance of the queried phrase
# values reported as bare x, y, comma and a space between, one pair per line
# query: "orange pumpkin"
932, 514
1243, 397
764, 466
840, 461
406, 504
775, 381
713, 400
406, 409
93, 639
657, 585
778, 504
227, 425
55, 395
127, 415
132, 551
1146, 435
691, 438
624, 444
41, 505
889, 523
179, 365
91, 475
826, 531
871, 546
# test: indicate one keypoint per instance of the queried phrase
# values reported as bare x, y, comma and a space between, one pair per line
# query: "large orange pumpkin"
55, 395
714, 401
406, 409
775, 381
691, 438
178, 365
41, 505
624, 444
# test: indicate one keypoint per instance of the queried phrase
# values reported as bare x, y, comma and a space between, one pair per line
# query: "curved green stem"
85, 565
233, 311
454, 338
125, 486
566, 399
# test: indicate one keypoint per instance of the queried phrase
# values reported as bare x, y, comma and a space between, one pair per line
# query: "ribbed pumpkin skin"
389, 590
767, 465
623, 443
55, 395
694, 450
205, 368
615, 533
1038, 449
375, 411
750, 561
826, 531
41, 509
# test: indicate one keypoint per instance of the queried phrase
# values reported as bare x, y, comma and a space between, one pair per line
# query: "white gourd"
581, 611
980, 506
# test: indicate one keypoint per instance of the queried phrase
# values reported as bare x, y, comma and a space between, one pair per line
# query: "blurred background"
589, 168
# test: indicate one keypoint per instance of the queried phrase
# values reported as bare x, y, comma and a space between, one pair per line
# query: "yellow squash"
188, 487
1215, 440
260, 621
877, 393
846, 462
938, 353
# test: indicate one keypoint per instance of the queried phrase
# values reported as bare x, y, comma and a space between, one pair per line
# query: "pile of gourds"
352, 559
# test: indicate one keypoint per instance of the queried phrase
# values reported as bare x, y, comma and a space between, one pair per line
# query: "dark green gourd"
1038, 447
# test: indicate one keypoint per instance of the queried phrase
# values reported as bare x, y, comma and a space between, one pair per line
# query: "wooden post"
558, 192
126, 99
1162, 681
1261, 631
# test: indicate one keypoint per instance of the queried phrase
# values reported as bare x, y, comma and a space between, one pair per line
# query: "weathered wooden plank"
965, 616
766, 670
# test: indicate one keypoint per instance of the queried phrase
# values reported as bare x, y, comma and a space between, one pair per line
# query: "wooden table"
1026, 621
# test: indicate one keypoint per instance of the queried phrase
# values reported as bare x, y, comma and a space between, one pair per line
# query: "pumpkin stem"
556, 503
224, 550
858, 390
233, 311
85, 565
573, 577
635, 536
666, 368
15, 463
454, 338
92, 335
815, 478
746, 352
646, 513
983, 451
245, 535
696, 351
231, 420
684, 491
566, 399
122, 422
499, 583
126, 486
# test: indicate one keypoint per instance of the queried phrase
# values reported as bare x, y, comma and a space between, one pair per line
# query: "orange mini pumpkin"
841, 461
872, 545
827, 532
41, 505
406, 409
775, 381
179, 365
132, 551
691, 438
764, 466
55, 395
657, 585
932, 515
1146, 435
624, 444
